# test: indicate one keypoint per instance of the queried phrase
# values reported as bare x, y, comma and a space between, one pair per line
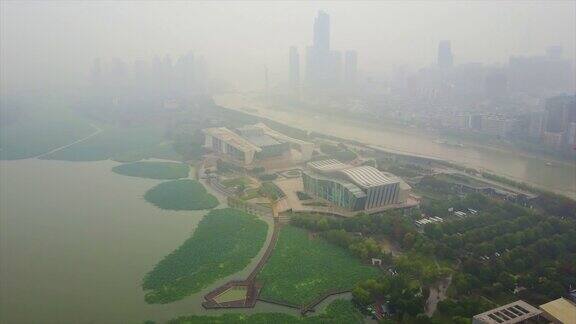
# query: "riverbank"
526, 168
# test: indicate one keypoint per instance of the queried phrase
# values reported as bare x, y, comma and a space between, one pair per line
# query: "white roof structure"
233, 139
363, 176
328, 165
367, 176
270, 132
561, 310
515, 312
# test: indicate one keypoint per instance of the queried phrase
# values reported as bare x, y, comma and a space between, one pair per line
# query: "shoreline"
256, 112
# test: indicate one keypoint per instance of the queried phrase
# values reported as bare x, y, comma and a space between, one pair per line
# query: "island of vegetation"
184, 194
303, 267
339, 311
224, 243
153, 170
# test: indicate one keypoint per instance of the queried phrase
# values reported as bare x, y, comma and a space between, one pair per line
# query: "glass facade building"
354, 188
342, 193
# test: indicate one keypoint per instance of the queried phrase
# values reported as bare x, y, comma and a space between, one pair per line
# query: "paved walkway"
249, 282
437, 294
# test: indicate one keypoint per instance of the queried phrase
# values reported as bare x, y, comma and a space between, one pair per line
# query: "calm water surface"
75, 241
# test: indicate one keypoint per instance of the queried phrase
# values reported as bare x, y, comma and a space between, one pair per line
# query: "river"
76, 240
560, 176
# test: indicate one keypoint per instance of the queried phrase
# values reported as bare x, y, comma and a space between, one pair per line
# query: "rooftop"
367, 176
261, 140
228, 136
328, 165
561, 309
363, 176
277, 135
515, 312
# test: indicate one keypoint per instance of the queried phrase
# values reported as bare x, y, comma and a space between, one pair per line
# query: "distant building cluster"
528, 99
554, 127
158, 78
491, 124
361, 188
446, 82
558, 126
326, 69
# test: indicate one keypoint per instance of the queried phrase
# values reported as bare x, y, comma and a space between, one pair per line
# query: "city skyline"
235, 44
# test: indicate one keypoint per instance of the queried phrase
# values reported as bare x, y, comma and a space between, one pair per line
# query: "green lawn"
338, 312
233, 182
153, 170
232, 294
110, 143
185, 194
224, 243
301, 269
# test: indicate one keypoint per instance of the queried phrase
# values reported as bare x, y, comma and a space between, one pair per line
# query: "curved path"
266, 254
249, 282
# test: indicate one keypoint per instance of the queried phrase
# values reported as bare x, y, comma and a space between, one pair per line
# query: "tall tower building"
350, 67
445, 58
294, 68
96, 72
335, 68
322, 31
318, 57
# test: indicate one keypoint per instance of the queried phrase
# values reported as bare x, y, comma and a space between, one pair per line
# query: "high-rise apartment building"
318, 56
322, 32
445, 58
350, 67
294, 68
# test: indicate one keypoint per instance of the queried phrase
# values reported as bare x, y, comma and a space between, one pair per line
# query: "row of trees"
403, 287
402, 294
390, 223
355, 233
504, 247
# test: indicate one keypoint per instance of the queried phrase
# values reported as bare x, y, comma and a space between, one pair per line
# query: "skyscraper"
318, 55
554, 52
294, 68
327, 70
322, 31
445, 58
350, 67
560, 112
335, 68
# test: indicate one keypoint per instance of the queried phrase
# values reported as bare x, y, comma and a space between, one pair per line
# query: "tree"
361, 296
506, 280
433, 231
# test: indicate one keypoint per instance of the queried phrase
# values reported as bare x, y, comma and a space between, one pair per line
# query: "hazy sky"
54, 42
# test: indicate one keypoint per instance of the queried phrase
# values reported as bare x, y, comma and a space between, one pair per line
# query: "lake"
76, 240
